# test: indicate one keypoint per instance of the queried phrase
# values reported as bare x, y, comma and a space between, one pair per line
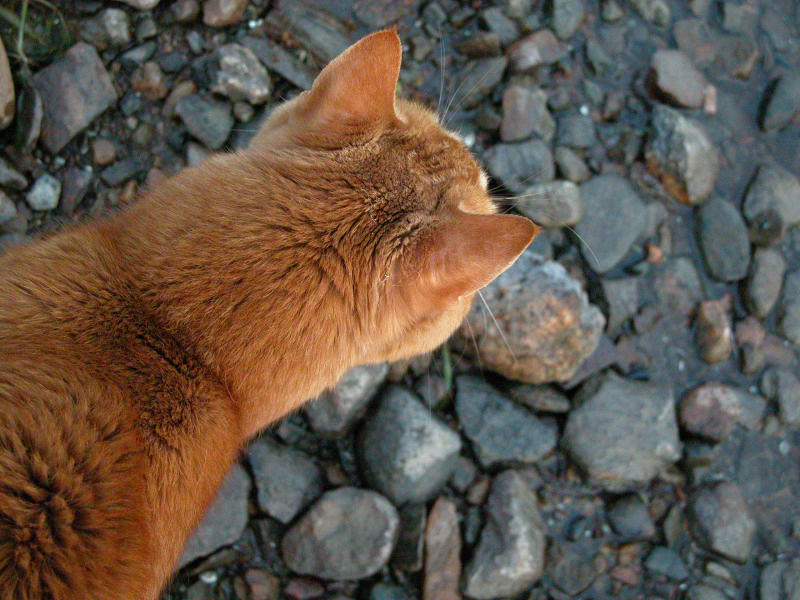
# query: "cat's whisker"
496, 324
474, 343
468, 94
584, 242
441, 68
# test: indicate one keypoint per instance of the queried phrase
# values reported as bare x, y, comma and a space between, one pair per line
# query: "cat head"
405, 226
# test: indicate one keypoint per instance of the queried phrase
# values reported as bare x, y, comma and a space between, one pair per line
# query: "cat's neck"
215, 273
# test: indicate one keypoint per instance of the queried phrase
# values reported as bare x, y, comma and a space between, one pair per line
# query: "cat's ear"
464, 253
357, 89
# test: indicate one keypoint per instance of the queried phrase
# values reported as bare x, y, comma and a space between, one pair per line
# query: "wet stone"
110, 28
712, 410
784, 103
567, 17
500, 430
520, 165
677, 79
548, 326
576, 131
44, 193
7, 93
525, 113
75, 89
680, 154
150, 82
764, 282
783, 386
406, 453
442, 553
605, 197
552, 204
720, 520
772, 204
7, 209
623, 432
240, 75
540, 48
348, 534
224, 521
207, 120
218, 13
630, 518
724, 240
510, 553
714, 331
286, 479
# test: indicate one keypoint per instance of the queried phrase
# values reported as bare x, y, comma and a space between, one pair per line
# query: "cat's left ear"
355, 92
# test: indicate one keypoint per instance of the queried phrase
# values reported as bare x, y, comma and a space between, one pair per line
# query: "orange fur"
140, 353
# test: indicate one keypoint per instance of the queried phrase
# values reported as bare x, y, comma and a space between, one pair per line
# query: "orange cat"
140, 353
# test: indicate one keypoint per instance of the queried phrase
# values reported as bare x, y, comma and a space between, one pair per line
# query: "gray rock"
712, 410
7, 93
408, 551
540, 48
286, 480
781, 581
677, 285
720, 520
110, 28
552, 204
525, 113
789, 314
141, 4
407, 453
772, 204
335, 411
571, 166
622, 298
281, 61
630, 518
381, 13
75, 89
784, 103
680, 154
518, 166
607, 238
207, 120
218, 13
567, 17
702, 591
740, 17
783, 386
543, 326
7, 209
510, 554
611, 11
499, 24
348, 534
478, 80
724, 240
240, 75
542, 398
225, 519
653, 11
10, 178
442, 553
677, 79
664, 561
764, 282
500, 430
318, 31
76, 183
44, 193
624, 432
576, 131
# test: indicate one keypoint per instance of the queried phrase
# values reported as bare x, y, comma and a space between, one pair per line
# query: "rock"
510, 554
377, 14
442, 553
348, 534
224, 521
207, 120
504, 28
622, 298
630, 518
764, 282
782, 386
240, 75
10, 178
569, 568
623, 432
680, 154
567, 17
611, 11
44, 193
571, 165
576, 131
664, 561
606, 237
150, 82
7, 209
720, 520
409, 549
541, 398
110, 28
286, 480
262, 585
694, 38
772, 204
184, 11
677, 79
653, 11
500, 430
75, 89
76, 184
724, 240
520, 165
406, 453
281, 61
141, 4
712, 410
783, 104
540, 48
552, 204
477, 81
334, 412
704, 592
323, 35
525, 113
545, 327
789, 324
138, 55
780, 581
7, 94
714, 331
103, 152
218, 13
123, 170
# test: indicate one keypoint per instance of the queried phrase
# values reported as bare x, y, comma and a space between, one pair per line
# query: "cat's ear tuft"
356, 91
465, 253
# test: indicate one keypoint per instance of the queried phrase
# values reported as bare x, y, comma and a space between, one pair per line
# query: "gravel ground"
625, 424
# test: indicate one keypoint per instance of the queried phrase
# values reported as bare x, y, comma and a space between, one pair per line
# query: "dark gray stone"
500, 430
724, 240
518, 166
712, 410
281, 61
348, 534
207, 120
498, 23
477, 81
407, 453
335, 411
630, 518
622, 298
286, 480
576, 131
569, 567
623, 432
122, 170
764, 281
783, 386
10, 178
567, 17
606, 237
408, 551
781, 581
789, 314
664, 561
571, 166
314, 28
772, 204
109, 28
783, 104
720, 520
7, 209
510, 554
552, 204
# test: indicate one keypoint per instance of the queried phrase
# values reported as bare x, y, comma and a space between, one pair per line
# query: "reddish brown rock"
103, 152
262, 584
442, 553
714, 331
713, 410
150, 82
540, 48
218, 13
